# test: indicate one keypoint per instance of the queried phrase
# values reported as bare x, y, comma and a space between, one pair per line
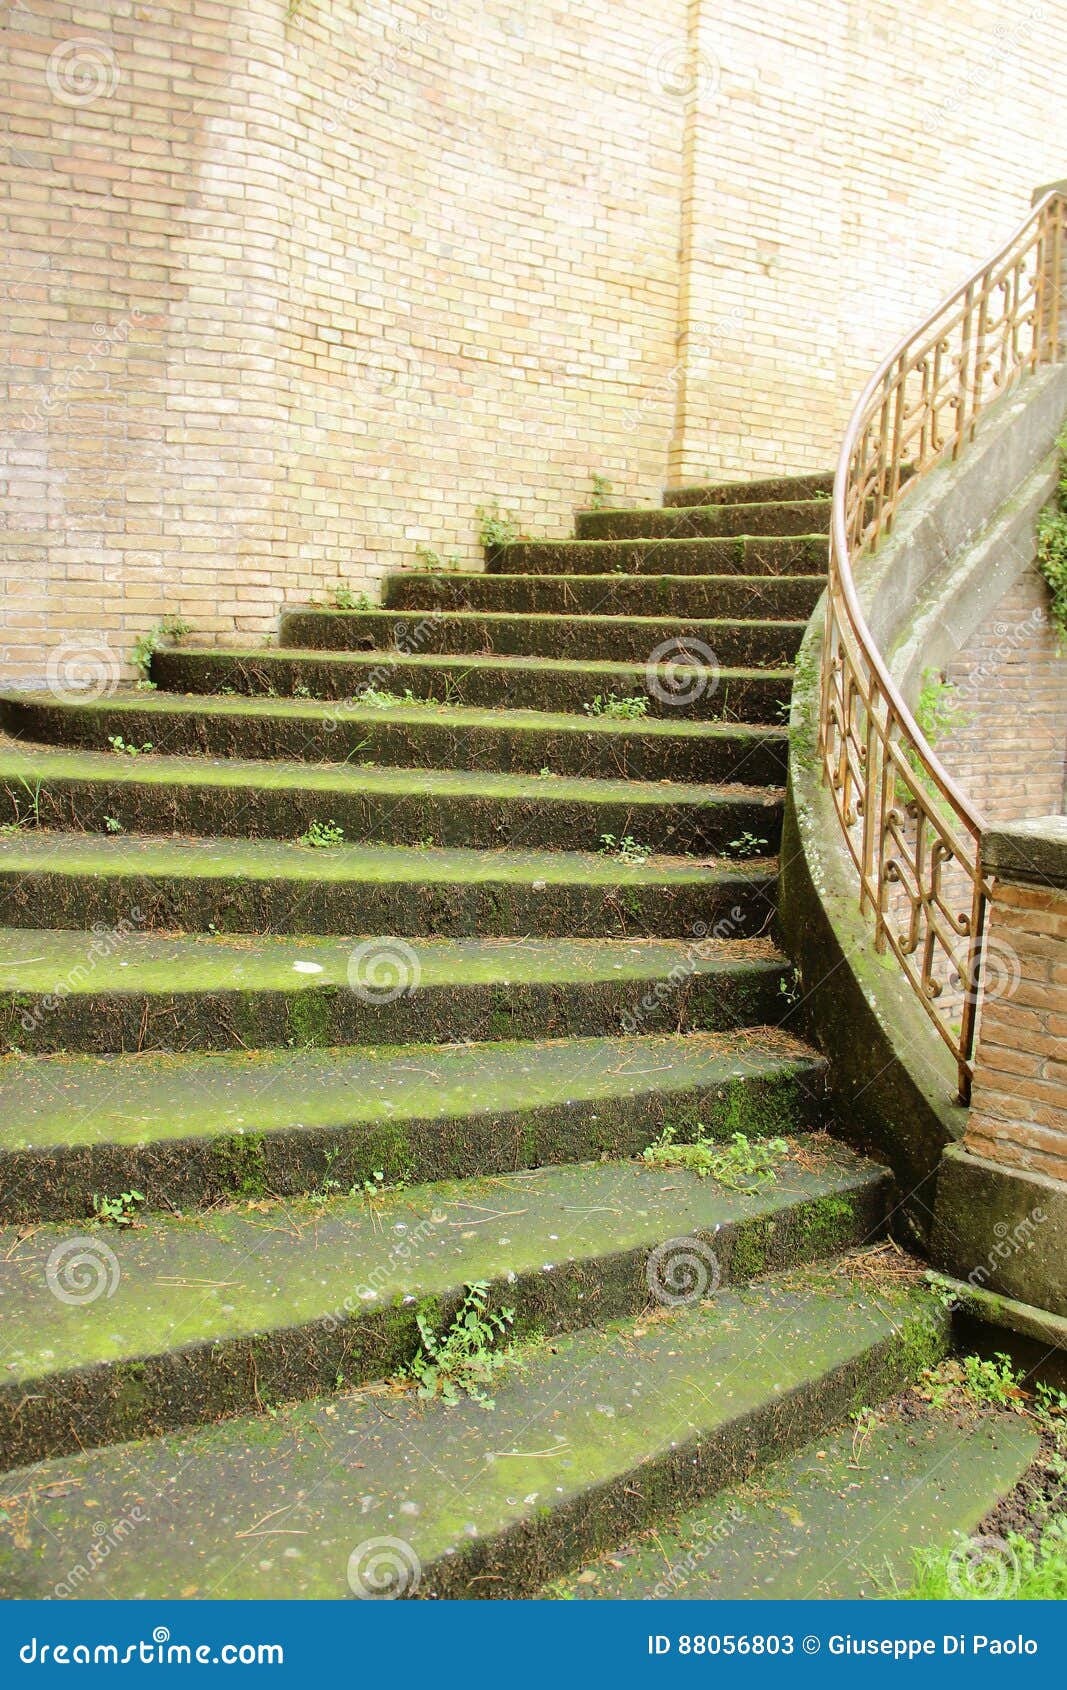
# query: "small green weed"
343, 598
112, 824
747, 845
618, 709
972, 1382
118, 1211
601, 494
462, 1361
323, 836
742, 1164
1011, 1569
626, 849
440, 565
145, 646
117, 743
496, 528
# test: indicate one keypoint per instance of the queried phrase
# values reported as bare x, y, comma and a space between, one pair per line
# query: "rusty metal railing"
913, 835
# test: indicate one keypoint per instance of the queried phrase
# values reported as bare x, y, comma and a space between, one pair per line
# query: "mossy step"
405, 735
841, 1520
215, 1316
716, 596
263, 886
594, 1436
199, 1128
793, 554
705, 641
161, 794
544, 683
704, 521
776, 489
131, 991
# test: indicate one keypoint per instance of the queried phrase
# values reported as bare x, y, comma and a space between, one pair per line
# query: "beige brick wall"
286, 297
1019, 1104
1009, 749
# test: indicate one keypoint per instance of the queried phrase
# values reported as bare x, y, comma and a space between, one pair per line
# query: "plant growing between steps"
343, 598
323, 836
120, 1211
24, 818
626, 849
617, 709
601, 494
145, 646
438, 565
496, 528
118, 744
740, 1165
747, 845
462, 1361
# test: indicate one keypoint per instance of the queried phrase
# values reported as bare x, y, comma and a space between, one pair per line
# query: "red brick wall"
1009, 749
1019, 1106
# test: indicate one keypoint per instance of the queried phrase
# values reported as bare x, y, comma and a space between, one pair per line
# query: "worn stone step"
543, 683
131, 991
160, 794
407, 735
199, 1128
597, 1434
287, 1301
770, 597
264, 886
704, 521
740, 555
634, 639
841, 1520
774, 489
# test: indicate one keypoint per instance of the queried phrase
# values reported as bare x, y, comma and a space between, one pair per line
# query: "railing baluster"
869, 764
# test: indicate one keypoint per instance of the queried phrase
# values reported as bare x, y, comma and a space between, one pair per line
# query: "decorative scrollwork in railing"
911, 832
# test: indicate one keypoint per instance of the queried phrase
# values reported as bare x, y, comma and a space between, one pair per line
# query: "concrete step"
596, 1434
766, 597
161, 794
740, 555
545, 684
249, 886
704, 521
198, 1129
841, 1520
407, 735
774, 489
135, 991
634, 639
293, 1300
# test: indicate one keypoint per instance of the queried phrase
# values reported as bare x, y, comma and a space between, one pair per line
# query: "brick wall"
1009, 748
1018, 1113
286, 297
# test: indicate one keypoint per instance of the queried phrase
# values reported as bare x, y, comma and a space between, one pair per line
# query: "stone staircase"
370, 996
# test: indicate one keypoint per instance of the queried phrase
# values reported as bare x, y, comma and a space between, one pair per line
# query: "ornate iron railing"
913, 835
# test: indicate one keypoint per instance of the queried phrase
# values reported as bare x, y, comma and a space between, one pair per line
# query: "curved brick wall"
288, 296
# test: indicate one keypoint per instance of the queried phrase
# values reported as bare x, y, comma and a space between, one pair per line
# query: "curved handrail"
912, 832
